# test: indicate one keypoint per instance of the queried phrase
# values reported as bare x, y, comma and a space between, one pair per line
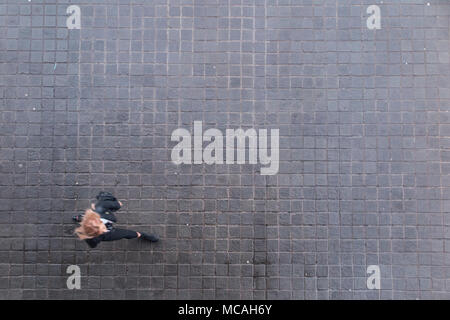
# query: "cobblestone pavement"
364, 173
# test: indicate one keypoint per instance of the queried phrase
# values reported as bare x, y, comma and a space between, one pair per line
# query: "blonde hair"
90, 226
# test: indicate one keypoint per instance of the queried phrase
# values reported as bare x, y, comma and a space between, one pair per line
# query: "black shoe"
77, 218
149, 237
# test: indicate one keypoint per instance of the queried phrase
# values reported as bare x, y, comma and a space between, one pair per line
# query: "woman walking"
97, 223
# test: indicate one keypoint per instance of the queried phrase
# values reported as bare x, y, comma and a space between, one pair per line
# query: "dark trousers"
117, 234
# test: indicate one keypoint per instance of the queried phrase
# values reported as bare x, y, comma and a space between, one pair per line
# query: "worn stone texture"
364, 148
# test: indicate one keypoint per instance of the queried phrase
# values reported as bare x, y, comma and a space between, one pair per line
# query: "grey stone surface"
364, 176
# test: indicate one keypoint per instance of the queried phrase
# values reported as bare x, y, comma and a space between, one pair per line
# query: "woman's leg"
149, 237
117, 234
